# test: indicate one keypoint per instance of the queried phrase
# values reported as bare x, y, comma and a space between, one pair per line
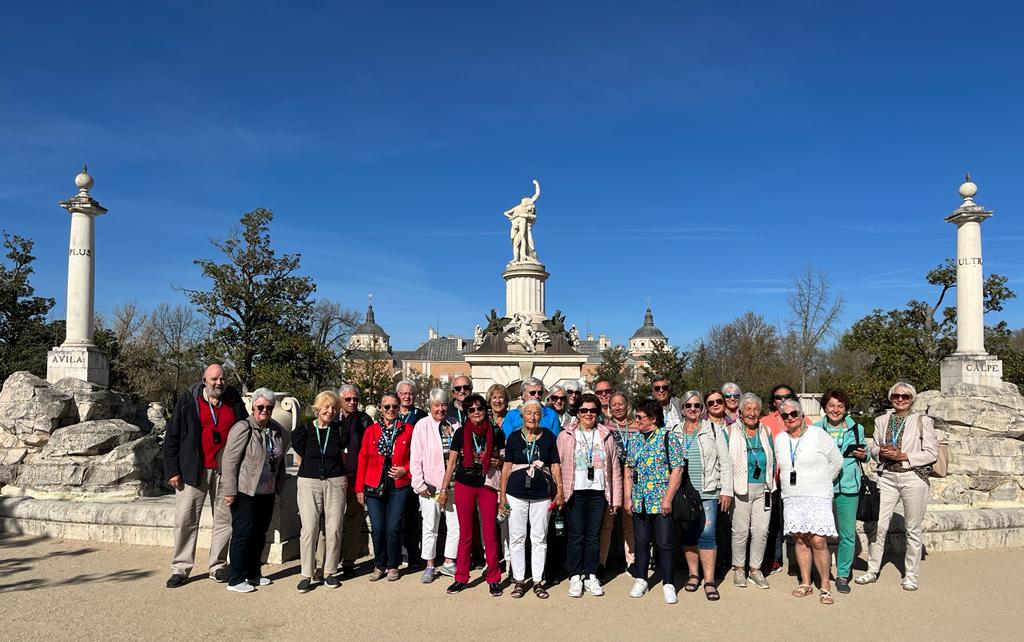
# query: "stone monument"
78, 356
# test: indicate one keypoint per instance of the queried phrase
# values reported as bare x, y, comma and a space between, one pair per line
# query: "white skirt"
809, 515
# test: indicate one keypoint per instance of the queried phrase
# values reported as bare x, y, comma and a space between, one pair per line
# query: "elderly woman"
557, 401
622, 427
714, 401
653, 475
497, 401
780, 393
905, 446
322, 487
591, 484
473, 463
808, 462
252, 473
732, 394
752, 456
849, 438
431, 445
531, 477
573, 391
382, 485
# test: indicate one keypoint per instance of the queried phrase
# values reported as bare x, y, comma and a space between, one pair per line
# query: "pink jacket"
612, 471
426, 464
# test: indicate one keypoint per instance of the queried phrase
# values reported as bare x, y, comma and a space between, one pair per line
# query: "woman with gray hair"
905, 446
252, 473
706, 463
431, 443
752, 457
732, 394
808, 462
557, 401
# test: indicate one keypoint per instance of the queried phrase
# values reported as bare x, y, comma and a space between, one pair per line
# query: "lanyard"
407, 417
387, 435
688, 442
896, 427
793, 451
327, 438
214, 413
590, 445
477, 446
531, 446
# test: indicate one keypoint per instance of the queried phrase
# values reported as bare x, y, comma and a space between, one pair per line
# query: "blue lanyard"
214, 413
793, 451
477, 448
531, 448
688, 442
407, 417
896, 427
590, 445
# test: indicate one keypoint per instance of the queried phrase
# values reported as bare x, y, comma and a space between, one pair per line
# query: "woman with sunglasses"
905, 446
383, 484
557, 402
808, 462
732, 393
531, 477
252, 473
849, 438
714, 402
473, 463
706, 460
497, 401
591, 484
623, 427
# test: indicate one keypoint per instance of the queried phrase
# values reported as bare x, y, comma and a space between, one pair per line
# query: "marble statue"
574, 337
520, 331
522, 217
478, 336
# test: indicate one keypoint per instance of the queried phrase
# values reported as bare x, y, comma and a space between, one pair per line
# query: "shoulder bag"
687, 506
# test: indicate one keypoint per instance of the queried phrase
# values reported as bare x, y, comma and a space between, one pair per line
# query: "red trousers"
468, 499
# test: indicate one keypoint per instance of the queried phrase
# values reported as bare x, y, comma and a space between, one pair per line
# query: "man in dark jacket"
353, 533
412, 530
195, 435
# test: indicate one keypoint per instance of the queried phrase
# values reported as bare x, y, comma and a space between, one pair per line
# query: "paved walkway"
55, 590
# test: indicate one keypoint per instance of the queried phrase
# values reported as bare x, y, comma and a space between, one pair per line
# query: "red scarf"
467, 443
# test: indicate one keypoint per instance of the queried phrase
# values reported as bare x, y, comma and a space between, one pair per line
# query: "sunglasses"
660, 388
790, 415
896, 396
587, 411
716, 402
390, 406
532, 393
350, 398
693, 405
572, 392
262, 408
462, 388
730, 395
556, 398
640, 416
603, 392
780, 397
476, 409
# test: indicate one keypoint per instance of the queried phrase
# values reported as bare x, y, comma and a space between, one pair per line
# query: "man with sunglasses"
603, 390
462, 387
195, 436
533, 390
661, 390
354, 422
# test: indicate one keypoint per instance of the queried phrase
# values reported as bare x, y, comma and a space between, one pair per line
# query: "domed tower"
646, 338
369, 335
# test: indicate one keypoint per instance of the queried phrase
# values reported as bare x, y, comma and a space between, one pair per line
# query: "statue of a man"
523, 217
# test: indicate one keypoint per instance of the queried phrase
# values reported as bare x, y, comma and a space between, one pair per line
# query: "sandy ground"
61, 589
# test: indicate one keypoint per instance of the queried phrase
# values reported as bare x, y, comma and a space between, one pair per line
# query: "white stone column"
524, 290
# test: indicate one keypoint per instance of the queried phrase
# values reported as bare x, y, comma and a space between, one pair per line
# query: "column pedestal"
81, 362
977, 369
524, 290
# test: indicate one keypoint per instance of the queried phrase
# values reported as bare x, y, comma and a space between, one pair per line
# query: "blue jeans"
702, 535
386, 525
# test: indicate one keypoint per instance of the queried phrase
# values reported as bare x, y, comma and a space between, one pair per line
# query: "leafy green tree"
614, 368
372, 371
423, 384
664, 361
24, 337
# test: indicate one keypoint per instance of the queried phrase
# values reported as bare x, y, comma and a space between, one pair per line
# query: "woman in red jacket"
382, 485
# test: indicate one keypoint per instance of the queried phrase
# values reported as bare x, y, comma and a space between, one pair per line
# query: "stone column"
78, 357
970, 363
524, 289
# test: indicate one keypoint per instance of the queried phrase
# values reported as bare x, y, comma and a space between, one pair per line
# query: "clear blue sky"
694, 153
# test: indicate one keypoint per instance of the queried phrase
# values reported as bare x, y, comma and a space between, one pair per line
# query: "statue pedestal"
976, 369
83, 362
524, 290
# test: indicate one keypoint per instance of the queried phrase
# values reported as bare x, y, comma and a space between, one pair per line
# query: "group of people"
541, 488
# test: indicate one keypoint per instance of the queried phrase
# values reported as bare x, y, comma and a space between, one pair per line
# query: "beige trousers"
750, 524
354, 534
188, 510
893, 487
321, 498
627, 535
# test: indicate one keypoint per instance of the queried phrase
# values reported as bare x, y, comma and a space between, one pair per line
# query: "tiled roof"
439, 349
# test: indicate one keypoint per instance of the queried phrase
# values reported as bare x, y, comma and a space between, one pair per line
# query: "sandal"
692, 584
803, 590
826, 598
711, 592
540, 591
519, 590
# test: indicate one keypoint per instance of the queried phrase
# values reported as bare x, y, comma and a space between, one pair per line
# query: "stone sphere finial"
83, 181
968, 189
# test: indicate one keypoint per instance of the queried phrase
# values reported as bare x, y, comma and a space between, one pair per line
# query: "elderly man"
533, 389
353, 533
661, 390
603, 390
195, 436
462, 387
410, 414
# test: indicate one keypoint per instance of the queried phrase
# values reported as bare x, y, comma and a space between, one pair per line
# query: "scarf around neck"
479, 430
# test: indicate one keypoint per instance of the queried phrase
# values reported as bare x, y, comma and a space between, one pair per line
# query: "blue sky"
697, 154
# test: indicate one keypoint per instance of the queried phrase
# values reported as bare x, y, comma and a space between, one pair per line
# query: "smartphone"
850, 450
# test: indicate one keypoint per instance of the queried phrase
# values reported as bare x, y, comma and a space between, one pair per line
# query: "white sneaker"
241, 587
867, 578
670, 594
910, 583
263, 581
576, 586
639, 588
593, 585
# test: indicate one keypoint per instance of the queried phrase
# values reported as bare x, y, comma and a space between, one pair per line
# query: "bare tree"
814, 314
747, 350
128, 322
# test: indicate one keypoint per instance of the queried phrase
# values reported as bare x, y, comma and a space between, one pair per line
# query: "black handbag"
687, 506
869, 501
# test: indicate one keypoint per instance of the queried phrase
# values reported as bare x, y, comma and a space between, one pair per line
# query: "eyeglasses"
716, 402
557, 398
896, 396
640, 416
790, 415
693, 405
350, 398
532, 393
786, 396
730, 395
587, 411
606, 391
462, 388
262, 408
390, 406
660, 388
476, 409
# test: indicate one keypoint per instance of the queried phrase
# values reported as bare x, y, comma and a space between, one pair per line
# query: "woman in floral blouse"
654, 472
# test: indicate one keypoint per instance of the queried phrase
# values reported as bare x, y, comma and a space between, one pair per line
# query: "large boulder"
31, 409
12, 450
95, 401
129, 470
90, 438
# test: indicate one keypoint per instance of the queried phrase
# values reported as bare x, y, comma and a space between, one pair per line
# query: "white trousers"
535, 513
431, 513
893, 487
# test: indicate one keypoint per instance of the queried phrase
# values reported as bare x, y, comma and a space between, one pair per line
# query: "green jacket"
849, 478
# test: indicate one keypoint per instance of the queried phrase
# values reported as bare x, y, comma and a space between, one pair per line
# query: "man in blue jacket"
533, 388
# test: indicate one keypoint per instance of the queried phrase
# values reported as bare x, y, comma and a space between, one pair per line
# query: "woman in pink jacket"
591, 482
431, 443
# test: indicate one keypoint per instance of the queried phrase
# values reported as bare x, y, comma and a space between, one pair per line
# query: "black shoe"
175, 580
495, 589
842, 585
348, 571
456, 587
221, 575
600, 572
332, 581
793, 572
303, 586
631, 570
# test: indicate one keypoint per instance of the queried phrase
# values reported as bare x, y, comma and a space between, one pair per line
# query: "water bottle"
559, 523
503, 516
